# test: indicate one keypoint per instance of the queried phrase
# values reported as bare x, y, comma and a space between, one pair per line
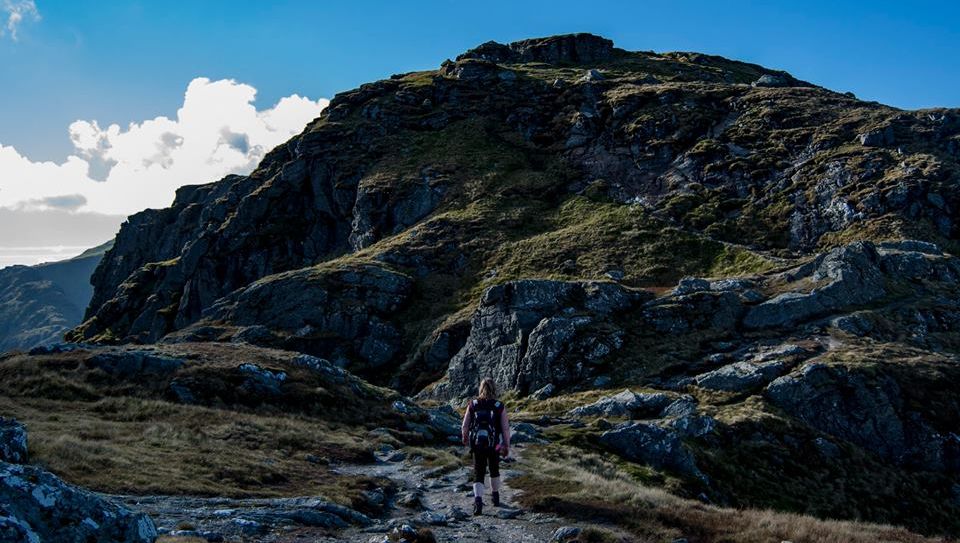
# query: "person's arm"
505, 428
465, 427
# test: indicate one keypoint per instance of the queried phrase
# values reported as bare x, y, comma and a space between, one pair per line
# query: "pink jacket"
467, 419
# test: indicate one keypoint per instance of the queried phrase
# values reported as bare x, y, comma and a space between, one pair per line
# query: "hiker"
486, 430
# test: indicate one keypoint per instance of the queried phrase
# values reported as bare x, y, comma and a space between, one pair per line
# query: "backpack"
485, 427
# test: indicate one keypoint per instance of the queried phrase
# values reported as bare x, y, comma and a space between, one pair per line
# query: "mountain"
39, 303
682, 271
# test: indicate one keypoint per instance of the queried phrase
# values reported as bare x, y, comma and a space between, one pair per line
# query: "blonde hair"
488, 390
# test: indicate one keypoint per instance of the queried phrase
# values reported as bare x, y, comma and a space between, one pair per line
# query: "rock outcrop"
13, 441
36, 505
867, 407
660, 444
626, 404
528, 334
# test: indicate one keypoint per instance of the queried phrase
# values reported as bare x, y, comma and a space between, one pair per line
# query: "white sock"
478, 490
495, 484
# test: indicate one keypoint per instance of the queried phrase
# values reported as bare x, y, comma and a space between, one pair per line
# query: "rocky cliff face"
770, 260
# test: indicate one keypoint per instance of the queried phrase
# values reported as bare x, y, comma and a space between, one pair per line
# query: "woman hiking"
486, 430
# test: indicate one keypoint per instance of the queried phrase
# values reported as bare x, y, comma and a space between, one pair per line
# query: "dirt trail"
425, 497
445, 505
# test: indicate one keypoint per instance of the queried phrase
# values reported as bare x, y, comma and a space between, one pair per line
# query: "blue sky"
128, 61
108, 106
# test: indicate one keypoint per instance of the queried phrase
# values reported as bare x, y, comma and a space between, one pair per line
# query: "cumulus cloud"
16, 11
116, 170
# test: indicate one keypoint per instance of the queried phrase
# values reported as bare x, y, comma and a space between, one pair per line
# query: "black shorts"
483, 458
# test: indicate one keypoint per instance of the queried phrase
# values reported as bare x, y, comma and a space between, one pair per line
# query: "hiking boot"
496, 499
477, 507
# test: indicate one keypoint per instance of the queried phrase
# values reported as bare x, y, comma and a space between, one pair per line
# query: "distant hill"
39, 303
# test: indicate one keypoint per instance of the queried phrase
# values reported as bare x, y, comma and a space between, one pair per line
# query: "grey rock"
593, 75
38, 506
527, 334
544, 392
444, 421
13, 441
456, 513
615, 275
858, 323
852, 275
509, 513
524, 432
879, 137
412, 499
689, 285
625, 404
434, 518
565, 533
912, 245
741, 376
698, 310
681, 407
569, 48
868, 410
771, 80
260, 381
654, 444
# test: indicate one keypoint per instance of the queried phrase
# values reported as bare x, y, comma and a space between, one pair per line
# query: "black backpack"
485, 427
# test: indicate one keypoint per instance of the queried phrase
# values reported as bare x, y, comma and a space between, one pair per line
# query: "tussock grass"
111, 446
592, 489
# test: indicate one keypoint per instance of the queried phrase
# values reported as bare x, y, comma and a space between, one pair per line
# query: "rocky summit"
681, 271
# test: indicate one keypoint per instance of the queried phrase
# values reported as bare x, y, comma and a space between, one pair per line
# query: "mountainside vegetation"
704, 285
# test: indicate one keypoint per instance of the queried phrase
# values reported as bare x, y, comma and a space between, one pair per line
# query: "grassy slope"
126, 435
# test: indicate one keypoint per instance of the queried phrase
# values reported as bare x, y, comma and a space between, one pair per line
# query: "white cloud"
16, 11
117, 170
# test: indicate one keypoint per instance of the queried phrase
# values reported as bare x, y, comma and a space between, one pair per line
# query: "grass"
124, 434
604, 494
131, 446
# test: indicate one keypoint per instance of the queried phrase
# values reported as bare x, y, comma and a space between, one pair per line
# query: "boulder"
13, 441
524, 432
741, 376
565, 533
659, 445
444, 421
544, 392
626, 404
37, 506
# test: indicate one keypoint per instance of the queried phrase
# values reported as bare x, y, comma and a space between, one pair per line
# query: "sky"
107, 107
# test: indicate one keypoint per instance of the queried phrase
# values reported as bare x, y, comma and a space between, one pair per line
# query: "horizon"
95, 132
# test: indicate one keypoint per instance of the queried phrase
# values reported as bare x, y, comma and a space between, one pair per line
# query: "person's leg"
495, 478
479, 472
